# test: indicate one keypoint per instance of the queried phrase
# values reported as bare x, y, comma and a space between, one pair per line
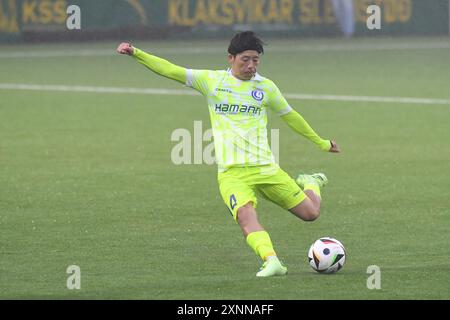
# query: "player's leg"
247, 219
259, 240
241, 200
281, 189
309, 208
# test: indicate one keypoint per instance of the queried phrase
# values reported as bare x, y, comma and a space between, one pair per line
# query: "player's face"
243, 65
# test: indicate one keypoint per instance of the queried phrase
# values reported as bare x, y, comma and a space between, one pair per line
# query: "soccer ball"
326, 255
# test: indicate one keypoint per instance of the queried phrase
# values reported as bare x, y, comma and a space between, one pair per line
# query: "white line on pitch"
156, 91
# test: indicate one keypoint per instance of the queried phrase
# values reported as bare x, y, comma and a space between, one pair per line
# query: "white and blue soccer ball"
326, 255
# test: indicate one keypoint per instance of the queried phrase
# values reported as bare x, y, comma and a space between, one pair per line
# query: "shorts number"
233, 201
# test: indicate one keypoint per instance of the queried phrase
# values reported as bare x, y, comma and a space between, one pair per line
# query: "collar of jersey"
256, 77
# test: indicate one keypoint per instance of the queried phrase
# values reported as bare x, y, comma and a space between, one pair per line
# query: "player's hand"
334, 147
125, 48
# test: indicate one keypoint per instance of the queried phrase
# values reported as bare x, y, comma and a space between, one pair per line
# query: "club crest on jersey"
257, 95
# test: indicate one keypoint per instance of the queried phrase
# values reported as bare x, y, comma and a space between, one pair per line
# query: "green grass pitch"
86, 179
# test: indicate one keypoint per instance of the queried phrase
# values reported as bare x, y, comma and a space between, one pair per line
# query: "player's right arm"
155, 64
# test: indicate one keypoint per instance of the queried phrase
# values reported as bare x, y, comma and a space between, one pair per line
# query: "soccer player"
238, 101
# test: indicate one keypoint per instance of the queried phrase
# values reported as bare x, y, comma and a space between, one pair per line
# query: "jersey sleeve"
299, 125
279, 105
199, 80
160, 66
275, 100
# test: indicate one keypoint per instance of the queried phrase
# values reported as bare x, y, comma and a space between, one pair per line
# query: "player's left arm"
299, 125
296, 122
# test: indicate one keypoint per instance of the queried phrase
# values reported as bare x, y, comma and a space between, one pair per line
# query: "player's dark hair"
246, 40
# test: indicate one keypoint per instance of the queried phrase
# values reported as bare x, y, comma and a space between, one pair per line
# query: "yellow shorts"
240, 185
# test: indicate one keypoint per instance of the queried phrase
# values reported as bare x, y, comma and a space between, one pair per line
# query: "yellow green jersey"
238, 111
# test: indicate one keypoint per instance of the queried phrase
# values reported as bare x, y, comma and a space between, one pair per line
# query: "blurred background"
46, 20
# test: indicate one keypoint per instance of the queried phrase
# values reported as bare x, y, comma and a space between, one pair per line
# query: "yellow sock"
260, 242
313, 187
